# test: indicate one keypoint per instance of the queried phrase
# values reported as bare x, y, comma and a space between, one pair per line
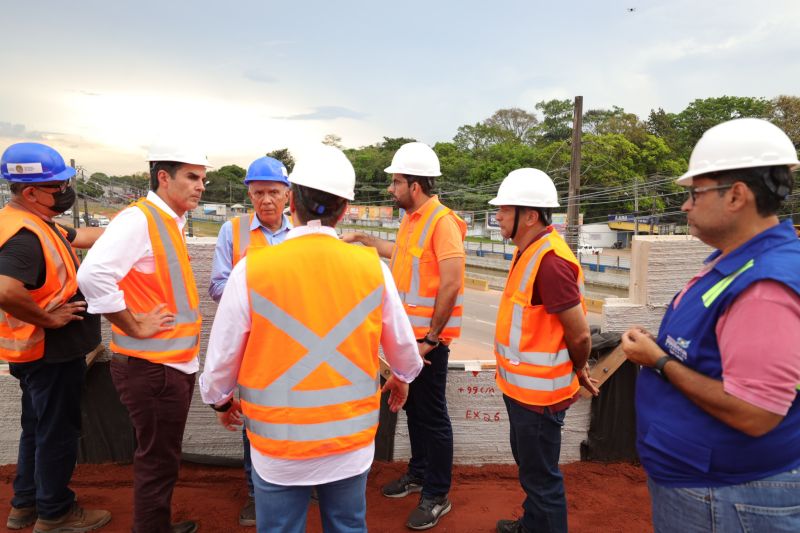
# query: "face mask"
63, 200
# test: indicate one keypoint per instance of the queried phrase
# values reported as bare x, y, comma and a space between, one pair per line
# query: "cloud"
259, 76
19, 131
327, 113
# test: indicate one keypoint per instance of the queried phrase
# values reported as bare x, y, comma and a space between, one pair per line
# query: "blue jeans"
536, 445
283, 509
51, 424
248, 463
429, 428
770, 504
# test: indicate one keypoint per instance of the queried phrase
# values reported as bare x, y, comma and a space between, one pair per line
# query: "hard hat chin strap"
516, 222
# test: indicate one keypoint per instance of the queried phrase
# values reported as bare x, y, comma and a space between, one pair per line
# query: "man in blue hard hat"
268, 188
45, 334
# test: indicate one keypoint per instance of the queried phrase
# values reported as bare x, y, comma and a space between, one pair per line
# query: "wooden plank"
605, 368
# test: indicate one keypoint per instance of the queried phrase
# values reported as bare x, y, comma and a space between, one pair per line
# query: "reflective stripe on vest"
533, 383
21, 341
713, 293
184, 314
321, 350
412, 297
535, 376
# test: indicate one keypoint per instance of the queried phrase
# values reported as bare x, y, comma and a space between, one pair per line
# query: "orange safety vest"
533, 364
171, 283
308, 382
416, 270
245, 238
21, 342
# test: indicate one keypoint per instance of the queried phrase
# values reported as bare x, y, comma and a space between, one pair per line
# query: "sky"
100, 81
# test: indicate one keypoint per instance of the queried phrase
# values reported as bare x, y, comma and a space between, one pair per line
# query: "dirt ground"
601, 497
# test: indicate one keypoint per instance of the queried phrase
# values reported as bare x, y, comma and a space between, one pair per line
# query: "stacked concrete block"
661, 265
480, 422
204, 437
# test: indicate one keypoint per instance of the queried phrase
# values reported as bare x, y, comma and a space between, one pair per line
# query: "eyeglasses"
694, 191
63, 186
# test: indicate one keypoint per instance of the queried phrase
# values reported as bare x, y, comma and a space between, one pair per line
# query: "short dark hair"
426, 183
545, 213
16, 187
313, 204
770, 185
170, 167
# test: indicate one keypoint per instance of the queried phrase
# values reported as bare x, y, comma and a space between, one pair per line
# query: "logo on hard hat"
19, 169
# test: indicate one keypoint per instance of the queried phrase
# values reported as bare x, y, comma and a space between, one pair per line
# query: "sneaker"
187, 526
428, 512
77, 520
21, 517
247, 516
510, 526
402, 487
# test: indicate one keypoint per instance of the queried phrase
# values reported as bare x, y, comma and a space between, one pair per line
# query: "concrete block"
480, 422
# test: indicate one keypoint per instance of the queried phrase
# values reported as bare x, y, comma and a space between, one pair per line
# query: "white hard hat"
415, 159
527, 187
166, 150
326, 169
740, 143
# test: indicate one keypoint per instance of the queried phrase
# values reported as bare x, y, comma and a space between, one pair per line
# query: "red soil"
601, 497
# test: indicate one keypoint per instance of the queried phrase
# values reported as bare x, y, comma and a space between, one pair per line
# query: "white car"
589, 250
103, 220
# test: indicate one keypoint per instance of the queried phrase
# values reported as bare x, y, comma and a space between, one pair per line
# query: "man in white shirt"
138, 276
311, 406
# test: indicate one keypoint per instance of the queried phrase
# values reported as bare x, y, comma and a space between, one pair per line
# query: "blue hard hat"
33, 163
267, 169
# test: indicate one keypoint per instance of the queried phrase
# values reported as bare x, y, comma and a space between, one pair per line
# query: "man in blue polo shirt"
718, 415
268, 188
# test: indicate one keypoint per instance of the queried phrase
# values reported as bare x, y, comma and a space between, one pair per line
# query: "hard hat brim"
409, 172
267, 178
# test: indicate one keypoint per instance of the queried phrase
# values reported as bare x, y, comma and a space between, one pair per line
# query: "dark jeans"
429, 428
51, 425
536, 445
157, 398
248, 464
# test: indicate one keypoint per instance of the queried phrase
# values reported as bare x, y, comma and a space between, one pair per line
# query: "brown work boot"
247, 516
77, 520
21, 517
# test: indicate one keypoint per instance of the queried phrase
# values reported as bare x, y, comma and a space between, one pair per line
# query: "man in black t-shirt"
45, 335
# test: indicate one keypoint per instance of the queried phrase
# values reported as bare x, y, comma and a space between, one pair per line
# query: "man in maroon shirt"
542, 343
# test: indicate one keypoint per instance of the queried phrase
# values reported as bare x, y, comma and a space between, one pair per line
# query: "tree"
479, 136
226, 185
332, 139
284, 156
786, 115
614, 120
556, 124
520, 124
702, 114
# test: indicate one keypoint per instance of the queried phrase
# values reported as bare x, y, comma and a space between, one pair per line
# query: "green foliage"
226, 185
557, 122
284, 156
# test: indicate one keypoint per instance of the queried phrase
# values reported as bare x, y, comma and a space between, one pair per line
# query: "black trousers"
51, 425
157, 398
429, 428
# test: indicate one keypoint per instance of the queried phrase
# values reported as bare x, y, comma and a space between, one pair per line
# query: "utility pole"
85, 203
76, 212
575, 176
635, 207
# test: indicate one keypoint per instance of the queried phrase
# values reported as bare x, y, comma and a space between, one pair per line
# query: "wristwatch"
222, 408
658, 368
429, 342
